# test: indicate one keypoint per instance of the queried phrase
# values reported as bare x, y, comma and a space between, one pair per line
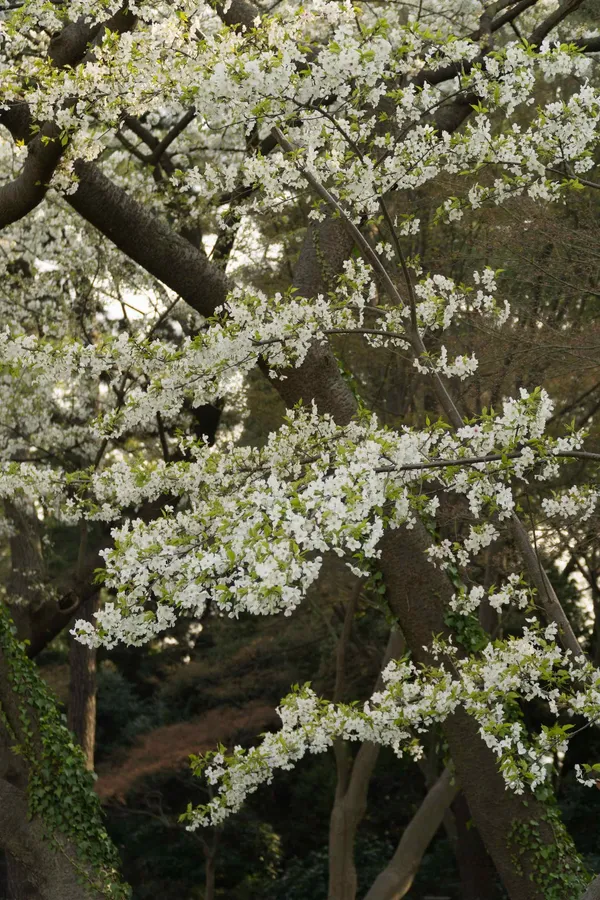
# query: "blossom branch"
46, 147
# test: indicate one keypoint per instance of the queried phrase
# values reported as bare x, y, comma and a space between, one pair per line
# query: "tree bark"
36, 868
418, 594
27, 573
19, 885
343, 821
593, 890
50, 875
148, 240
478, 876
82, 688
37, 770
342, 869
209, 875
396, 879
353, 779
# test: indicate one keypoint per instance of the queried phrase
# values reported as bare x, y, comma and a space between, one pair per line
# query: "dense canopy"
300, 301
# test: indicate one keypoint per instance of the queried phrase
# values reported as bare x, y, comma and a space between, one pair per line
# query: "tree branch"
364, 762
340, 747
20, 196
588, 45
491, 457
546, 593
544, 28
180, 126
240, 13
148, 240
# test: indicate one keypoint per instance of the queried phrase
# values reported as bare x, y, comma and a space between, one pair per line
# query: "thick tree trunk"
49, 874
478, 876
19, 884
593, 890
15, 883
32, 741
27, 562
25, 876
3, 876
82, 688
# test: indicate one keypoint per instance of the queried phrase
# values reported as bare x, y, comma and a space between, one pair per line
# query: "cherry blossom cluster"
248, 527
514, 592
575, 503
156, 376
256, 522
288, 70
413, 699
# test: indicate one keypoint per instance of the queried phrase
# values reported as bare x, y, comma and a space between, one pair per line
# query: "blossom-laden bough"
352, 111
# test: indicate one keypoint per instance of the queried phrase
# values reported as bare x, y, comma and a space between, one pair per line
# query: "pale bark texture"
353, 775
349, 808
593, 891
396, 879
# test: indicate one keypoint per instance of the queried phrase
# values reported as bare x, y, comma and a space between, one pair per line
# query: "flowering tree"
146, 148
